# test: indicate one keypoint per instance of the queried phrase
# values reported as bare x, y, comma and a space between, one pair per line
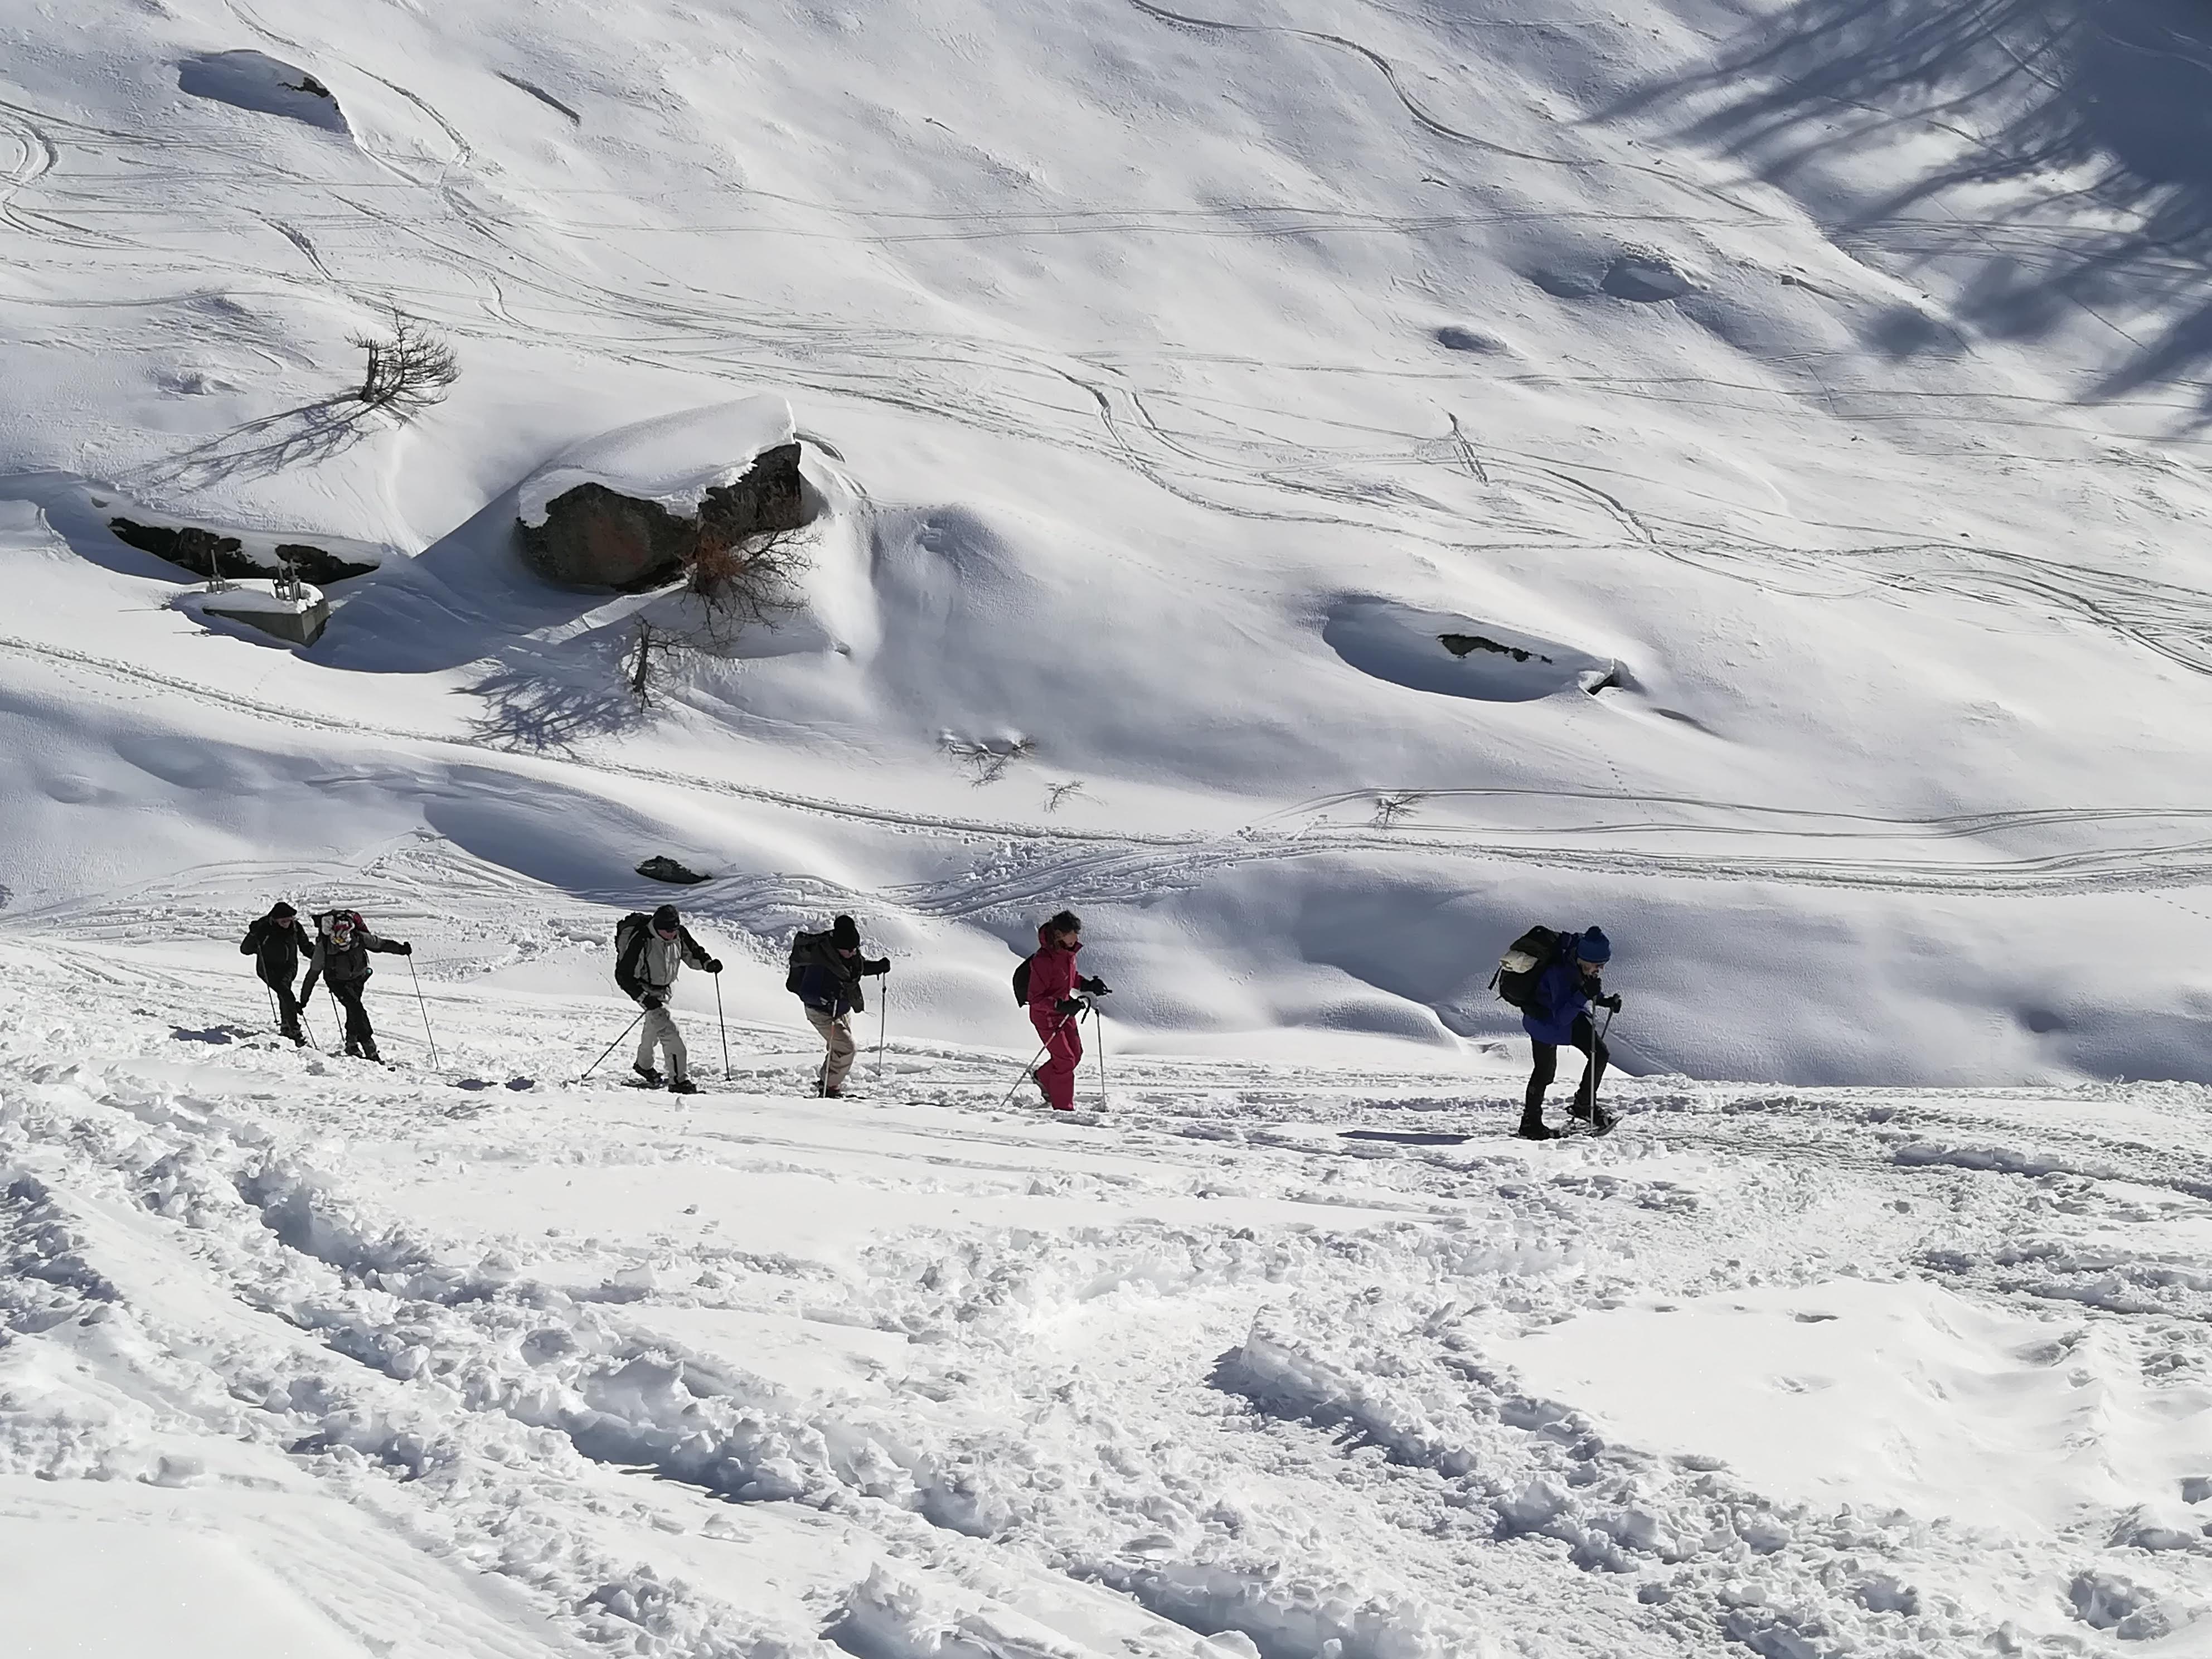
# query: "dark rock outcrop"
661, 867
597, 537
204, 553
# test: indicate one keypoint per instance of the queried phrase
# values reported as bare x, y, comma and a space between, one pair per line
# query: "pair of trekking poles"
1028, 1072
338, 1012
723, 1024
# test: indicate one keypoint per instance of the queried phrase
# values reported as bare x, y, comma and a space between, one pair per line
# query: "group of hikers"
1553, 978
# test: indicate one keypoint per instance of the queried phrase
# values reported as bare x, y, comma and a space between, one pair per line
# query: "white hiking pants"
658, 1031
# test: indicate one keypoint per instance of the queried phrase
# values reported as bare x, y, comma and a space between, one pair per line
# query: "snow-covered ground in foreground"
1207, 406
318, 1358
1316, 485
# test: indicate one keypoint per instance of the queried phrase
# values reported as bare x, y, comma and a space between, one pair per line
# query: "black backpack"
626, 932
1021, 981
1524, 959
796, 972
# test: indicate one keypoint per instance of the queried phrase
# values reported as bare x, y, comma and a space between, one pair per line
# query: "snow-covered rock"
626, 510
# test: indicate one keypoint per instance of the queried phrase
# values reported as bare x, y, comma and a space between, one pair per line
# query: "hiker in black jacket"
646, 961
273, 942
826, 971
343, 942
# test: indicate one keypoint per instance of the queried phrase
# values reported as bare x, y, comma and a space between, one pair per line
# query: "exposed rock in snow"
661, 867
214, 553
627, 510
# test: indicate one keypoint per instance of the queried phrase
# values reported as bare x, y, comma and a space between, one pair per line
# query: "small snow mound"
1456, 656
1457, 337
1646, 279
265, 85
671, 461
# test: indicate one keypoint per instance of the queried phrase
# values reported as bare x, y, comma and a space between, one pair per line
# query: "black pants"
288, 1007
1585, 1037
358, 1034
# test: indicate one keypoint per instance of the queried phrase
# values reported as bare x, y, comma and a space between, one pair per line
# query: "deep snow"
1316, 485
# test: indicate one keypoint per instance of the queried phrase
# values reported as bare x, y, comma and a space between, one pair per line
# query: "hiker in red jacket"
1053, 1007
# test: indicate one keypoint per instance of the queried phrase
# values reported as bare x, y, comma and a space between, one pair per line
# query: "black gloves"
1096, 986
652, 1000
713, 964
404, 948
1612, 1002
1068, 1007
880, 965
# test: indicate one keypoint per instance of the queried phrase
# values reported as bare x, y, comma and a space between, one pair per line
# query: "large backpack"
1524, 959
323, 919
627, 931
1021, 981
795, 975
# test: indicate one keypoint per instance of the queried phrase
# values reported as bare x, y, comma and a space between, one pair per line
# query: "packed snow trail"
1317, 1361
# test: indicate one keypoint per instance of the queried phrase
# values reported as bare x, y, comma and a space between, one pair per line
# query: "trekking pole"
723, 1023
273, 1013
1597, 1076
425, 1007
1098, 1031
1029, 1070
882, 1024
612, 1047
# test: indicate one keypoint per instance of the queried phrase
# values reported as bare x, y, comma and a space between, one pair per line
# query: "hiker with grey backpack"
1555, 979
650, 951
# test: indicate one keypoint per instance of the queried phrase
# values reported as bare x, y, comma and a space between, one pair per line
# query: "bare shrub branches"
1392, 809
408, 372
741, 580
986, 761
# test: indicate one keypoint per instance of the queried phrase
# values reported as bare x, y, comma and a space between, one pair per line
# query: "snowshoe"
682, 1086
647, 1077
1602, 1121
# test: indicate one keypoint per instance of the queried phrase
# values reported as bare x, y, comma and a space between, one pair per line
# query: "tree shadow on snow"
532, 706
263, 447
2092, 117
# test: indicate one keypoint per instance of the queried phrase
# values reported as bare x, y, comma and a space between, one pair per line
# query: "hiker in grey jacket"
340, 960
646, 968
826, 970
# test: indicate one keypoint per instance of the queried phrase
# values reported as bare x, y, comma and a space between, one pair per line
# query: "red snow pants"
1063, 1054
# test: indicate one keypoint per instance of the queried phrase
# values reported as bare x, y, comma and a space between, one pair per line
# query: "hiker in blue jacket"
1567, 988
826, 971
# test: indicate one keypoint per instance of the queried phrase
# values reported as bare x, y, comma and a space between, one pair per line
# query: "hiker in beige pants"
826, 970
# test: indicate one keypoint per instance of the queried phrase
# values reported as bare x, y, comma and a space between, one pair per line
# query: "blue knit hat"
1595, 946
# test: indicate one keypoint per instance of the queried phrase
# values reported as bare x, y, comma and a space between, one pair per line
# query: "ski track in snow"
1229, 1359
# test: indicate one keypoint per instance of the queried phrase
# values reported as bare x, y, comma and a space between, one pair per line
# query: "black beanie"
665, 917
281, 909
844, 935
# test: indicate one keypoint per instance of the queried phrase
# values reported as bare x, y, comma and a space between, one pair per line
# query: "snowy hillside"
1176, 387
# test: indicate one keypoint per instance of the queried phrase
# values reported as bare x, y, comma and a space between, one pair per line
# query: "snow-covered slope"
1198, 399
302, 1358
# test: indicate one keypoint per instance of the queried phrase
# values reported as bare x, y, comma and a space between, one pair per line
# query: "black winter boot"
682, 1086
647, 1076
1532, 1126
